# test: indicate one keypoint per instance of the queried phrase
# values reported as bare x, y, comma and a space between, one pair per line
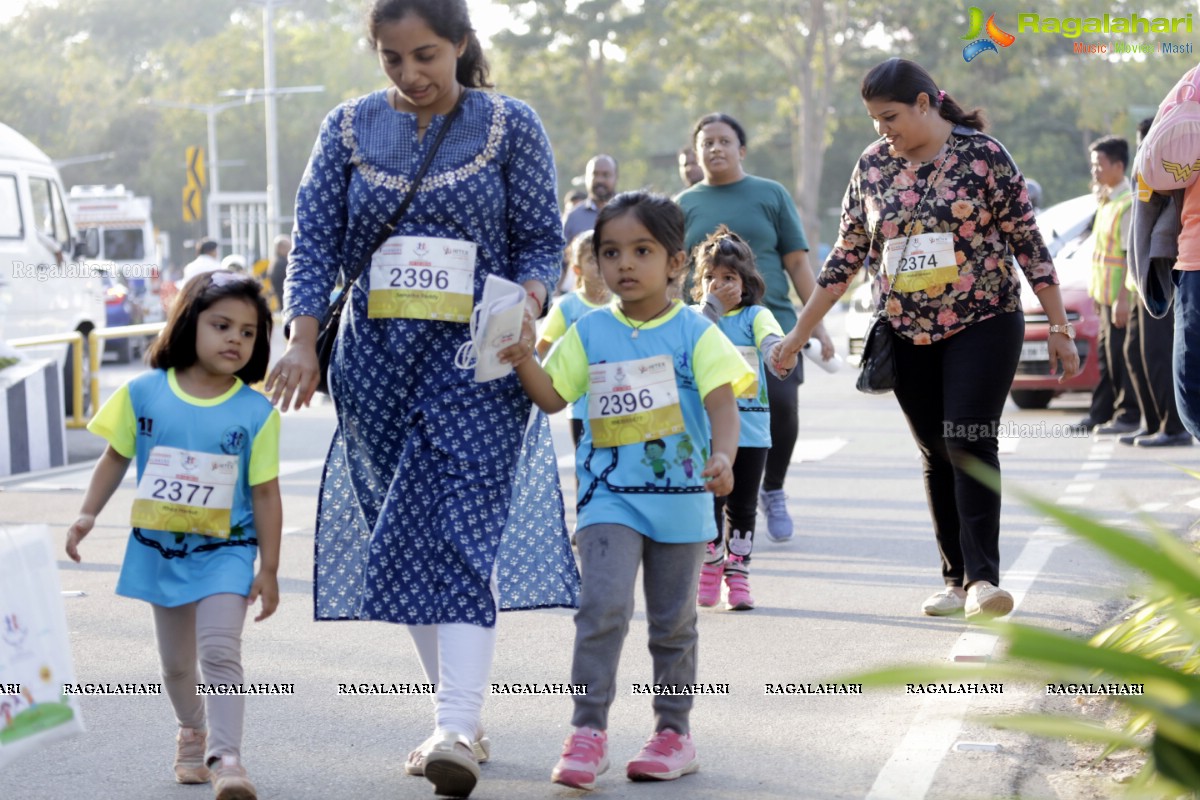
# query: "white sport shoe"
986, 600
946, 603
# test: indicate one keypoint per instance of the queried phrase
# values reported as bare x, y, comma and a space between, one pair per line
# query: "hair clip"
223, 278
941, 95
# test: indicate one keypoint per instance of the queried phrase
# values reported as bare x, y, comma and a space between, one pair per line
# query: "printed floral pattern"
414, 514
979, 196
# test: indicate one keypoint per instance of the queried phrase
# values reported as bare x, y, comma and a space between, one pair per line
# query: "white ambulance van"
45, 287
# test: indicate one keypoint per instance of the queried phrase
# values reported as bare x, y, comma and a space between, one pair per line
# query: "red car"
1066, 227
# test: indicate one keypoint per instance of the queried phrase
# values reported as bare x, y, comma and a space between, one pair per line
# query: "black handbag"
878, 374
878, 360
327, 336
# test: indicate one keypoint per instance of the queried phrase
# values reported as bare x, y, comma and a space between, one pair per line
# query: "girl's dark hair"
450, 20
581, 244
724, 248
898, 80
176, 345
708, 119
658, 214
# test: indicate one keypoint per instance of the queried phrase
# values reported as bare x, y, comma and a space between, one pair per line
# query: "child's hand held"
266, 588
520, 352
718, 475
80, 528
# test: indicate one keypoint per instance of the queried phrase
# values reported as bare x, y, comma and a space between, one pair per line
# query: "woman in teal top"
761, 212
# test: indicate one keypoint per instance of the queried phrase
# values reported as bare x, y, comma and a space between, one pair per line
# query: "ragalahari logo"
995, 36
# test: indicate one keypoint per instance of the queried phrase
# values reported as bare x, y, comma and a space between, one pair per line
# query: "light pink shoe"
230, 782
584, 756
708, 593
189, 756
739, 598
666, 756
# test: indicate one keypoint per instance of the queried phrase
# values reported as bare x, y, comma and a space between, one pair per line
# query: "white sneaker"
986, 600
946, 603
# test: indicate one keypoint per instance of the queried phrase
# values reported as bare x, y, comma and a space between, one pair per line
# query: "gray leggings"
609, 558
212, 628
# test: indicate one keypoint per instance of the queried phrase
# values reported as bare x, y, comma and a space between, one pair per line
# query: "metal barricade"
95, 339
75, 338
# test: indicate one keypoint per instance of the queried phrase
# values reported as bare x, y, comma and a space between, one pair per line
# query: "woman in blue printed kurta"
414, 518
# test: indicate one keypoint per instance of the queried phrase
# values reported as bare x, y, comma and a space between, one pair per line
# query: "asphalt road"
842, 597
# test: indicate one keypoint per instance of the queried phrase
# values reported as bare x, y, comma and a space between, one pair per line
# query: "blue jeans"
1186, 357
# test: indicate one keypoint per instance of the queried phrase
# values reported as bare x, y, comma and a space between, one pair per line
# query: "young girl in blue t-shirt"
660, 383
207, 450
728, 282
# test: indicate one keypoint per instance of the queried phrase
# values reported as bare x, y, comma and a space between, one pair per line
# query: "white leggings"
458, 658
211, 627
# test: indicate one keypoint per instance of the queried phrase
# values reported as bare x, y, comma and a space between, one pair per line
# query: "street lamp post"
268, 94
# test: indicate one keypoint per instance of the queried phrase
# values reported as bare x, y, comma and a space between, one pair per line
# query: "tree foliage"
627, 77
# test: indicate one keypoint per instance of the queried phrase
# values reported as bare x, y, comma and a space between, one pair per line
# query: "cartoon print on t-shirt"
655, 450
684, 451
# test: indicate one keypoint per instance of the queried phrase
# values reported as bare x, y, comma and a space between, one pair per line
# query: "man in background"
1114, 407
600, 176
205, 261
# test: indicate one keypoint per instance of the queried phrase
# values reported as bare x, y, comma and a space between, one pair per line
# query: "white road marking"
808, 450
909, 772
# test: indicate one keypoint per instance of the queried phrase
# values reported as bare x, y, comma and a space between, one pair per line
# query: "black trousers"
1114, 397
1149, 343
785, 425
738, 510
952, 392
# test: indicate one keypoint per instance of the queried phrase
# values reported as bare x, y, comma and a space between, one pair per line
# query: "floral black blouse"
979, 196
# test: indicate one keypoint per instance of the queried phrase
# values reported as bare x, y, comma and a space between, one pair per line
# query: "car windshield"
1067, 221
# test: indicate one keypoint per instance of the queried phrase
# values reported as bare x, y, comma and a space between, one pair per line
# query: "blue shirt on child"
653, 485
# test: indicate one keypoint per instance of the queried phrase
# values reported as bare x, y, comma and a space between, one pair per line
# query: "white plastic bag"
35, 653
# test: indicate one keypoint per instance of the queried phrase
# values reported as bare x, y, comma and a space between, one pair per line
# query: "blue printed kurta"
420, 475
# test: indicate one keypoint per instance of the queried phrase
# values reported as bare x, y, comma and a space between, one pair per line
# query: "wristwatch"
1068, 329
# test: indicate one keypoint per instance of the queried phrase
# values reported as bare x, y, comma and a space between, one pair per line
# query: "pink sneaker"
666, 756
709, 592
189, 756
739, 598
584, 756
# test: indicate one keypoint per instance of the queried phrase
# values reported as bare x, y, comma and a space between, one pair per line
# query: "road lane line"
909, 772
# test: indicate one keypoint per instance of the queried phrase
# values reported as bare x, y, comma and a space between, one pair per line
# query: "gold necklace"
646, 322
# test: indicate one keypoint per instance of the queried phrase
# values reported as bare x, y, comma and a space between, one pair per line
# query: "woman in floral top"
945, 209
